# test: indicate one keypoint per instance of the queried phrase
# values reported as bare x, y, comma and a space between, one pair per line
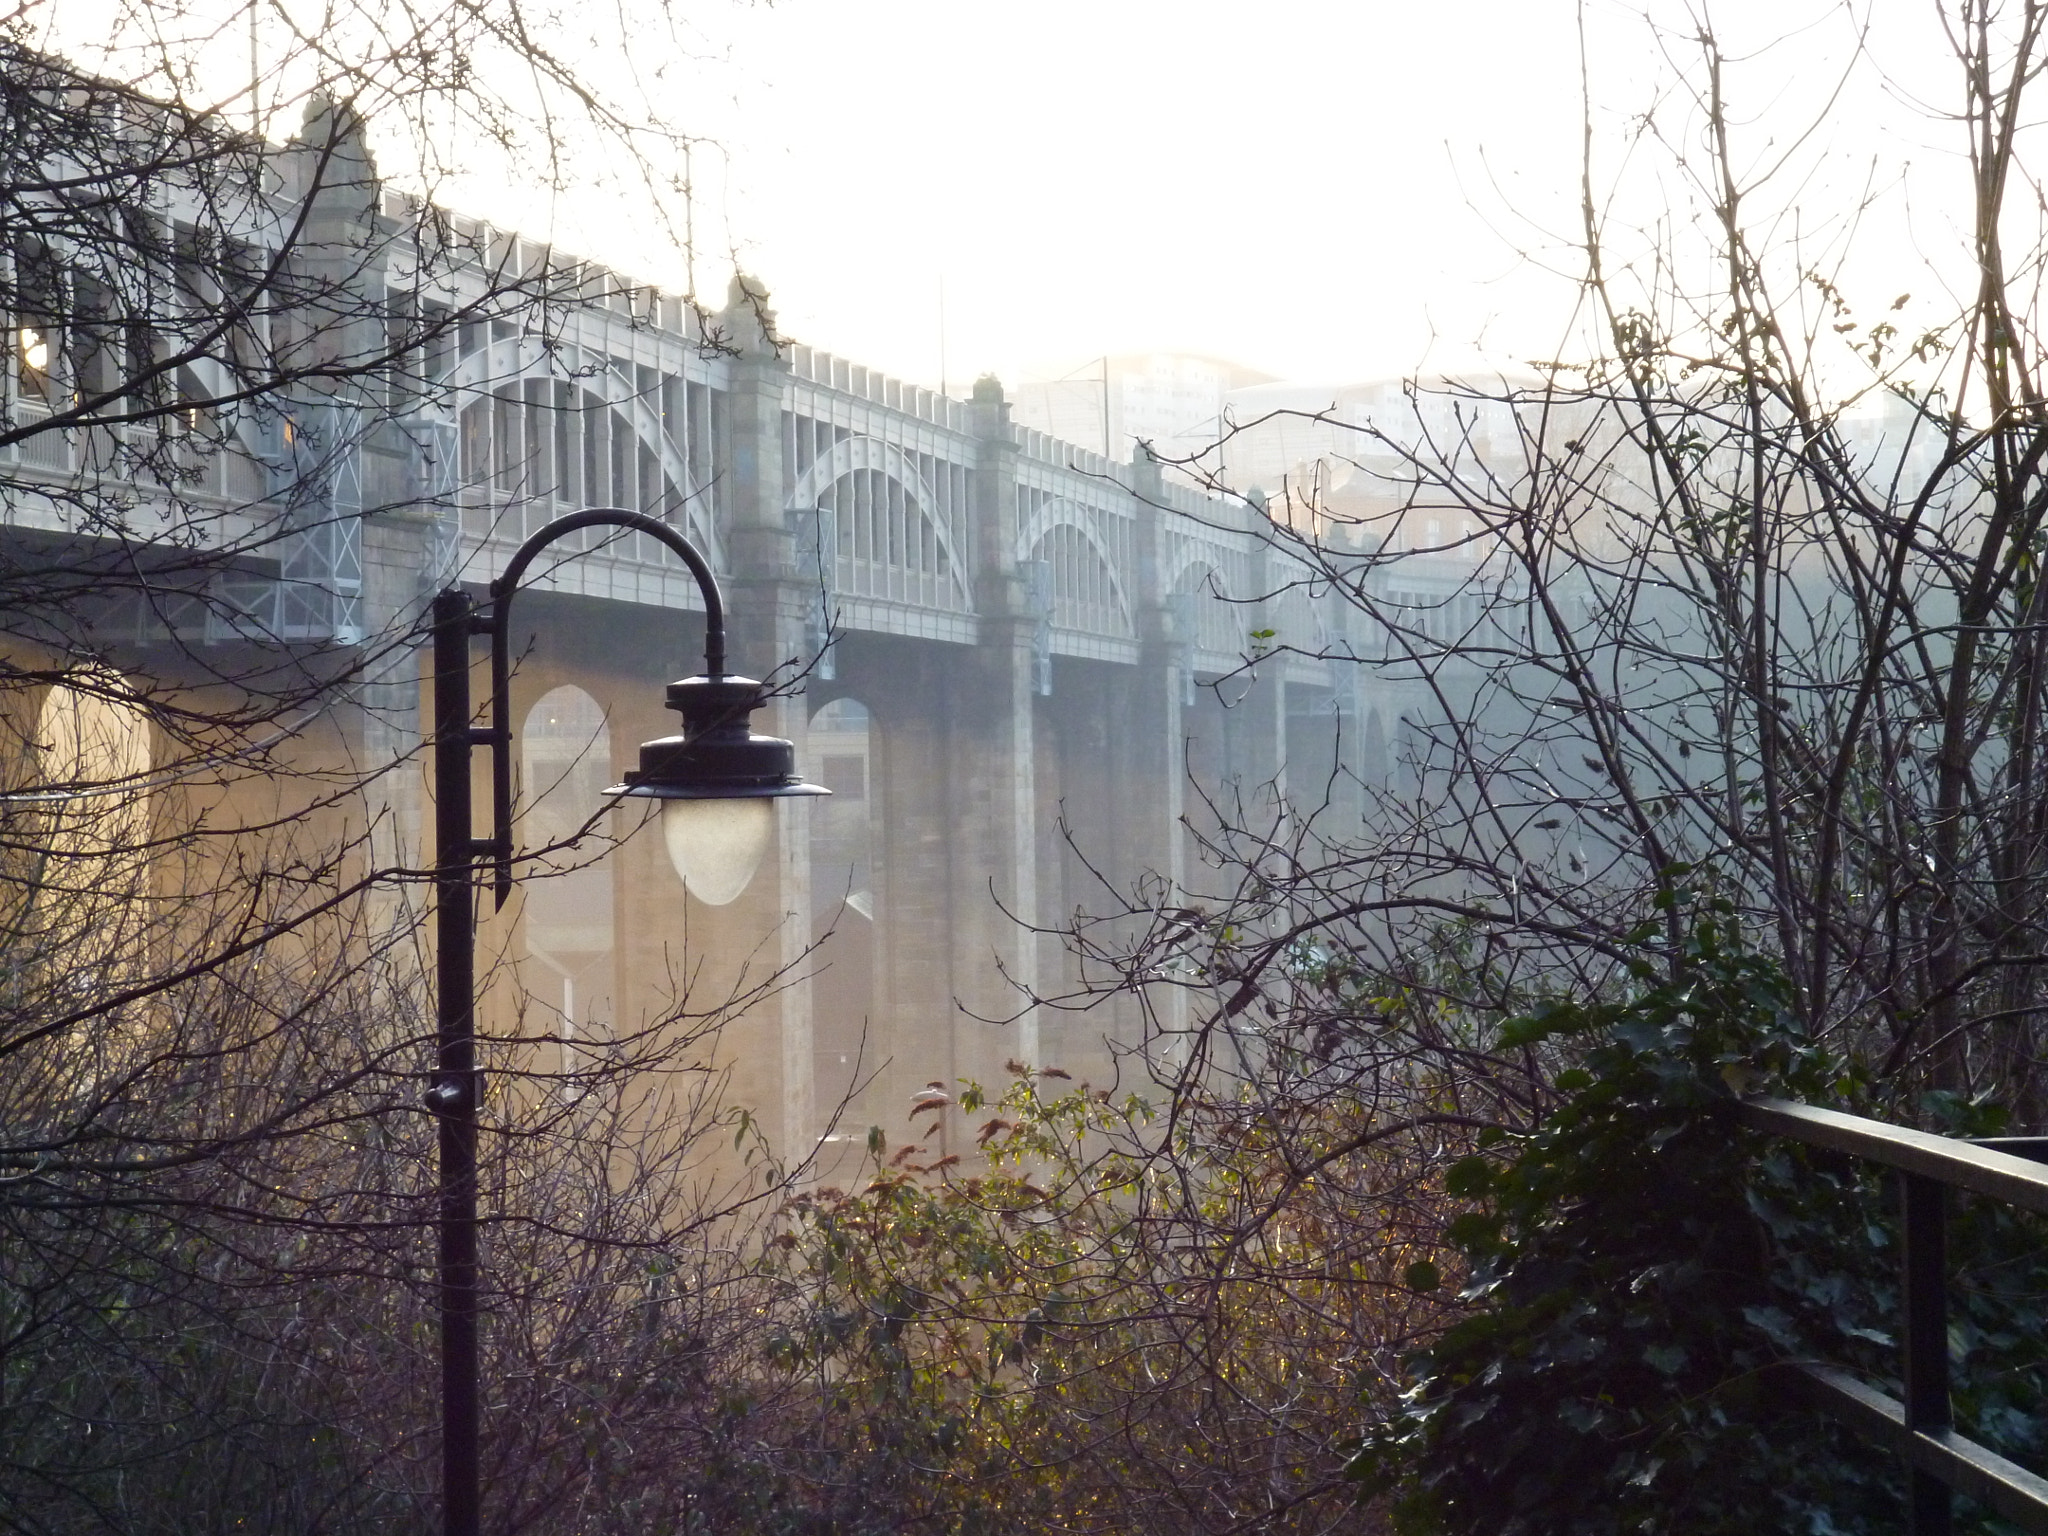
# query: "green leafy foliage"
1639, 1264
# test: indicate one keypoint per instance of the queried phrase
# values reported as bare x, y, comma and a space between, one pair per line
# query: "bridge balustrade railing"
156, 458
1921, 1430
46, 450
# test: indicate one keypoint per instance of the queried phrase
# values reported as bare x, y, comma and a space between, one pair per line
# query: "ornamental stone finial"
748, 318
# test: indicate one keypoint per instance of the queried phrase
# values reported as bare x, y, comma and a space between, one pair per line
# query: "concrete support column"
916, 1040
768, 599
1151, 733
993, 855
1257, 726
1347, 677
339, 251
390, 697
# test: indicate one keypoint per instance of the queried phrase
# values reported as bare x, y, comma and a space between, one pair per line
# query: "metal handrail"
1978, 1167
1921, 1428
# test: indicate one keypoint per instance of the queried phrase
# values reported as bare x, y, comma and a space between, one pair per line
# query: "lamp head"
715, 780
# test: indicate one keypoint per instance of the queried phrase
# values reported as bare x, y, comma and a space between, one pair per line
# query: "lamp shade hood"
717, 756
714, 780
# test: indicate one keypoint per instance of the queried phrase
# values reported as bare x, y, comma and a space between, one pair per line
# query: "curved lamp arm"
507, 584
502, 592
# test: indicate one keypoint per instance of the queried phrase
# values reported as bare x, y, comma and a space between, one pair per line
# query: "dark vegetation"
1720, 770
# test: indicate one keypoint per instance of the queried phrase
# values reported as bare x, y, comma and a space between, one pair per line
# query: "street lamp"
714, 779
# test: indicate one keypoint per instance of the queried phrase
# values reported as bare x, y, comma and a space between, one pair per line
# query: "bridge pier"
994, 851
770, 605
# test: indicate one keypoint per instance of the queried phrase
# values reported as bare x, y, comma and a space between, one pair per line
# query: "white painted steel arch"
1196, 558
1062, 512
859, 452
1199, 597
520, 358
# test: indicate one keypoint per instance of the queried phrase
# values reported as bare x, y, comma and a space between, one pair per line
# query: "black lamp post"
714, 780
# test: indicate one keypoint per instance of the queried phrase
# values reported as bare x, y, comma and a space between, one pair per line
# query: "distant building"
1286, 434
1172, 400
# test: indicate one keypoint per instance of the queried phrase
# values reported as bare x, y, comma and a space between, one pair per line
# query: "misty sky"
1325, 189
1278, 183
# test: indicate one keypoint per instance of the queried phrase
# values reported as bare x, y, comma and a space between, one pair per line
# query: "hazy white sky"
1285, 183
1324, 189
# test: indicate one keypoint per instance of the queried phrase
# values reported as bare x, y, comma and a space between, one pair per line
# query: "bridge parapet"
810, 365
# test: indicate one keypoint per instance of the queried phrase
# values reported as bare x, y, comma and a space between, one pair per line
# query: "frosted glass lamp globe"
716, 845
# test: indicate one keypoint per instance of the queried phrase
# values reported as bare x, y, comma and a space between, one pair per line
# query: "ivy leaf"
1469, 1178
1666, 1358
1775, 1324
1422, 1276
